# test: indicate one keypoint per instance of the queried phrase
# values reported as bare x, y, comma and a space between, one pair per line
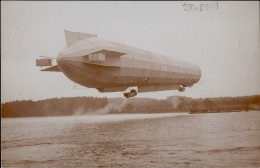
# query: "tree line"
52, 107
85, 105
187, 104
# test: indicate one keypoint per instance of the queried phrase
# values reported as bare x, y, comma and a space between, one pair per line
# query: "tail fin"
72, 37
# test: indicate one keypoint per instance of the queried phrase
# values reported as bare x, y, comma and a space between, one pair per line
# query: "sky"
224, 42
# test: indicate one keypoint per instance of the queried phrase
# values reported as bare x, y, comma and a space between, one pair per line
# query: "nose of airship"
76, 69
71, 67
61, 61
61, 56
67, 60
68, 64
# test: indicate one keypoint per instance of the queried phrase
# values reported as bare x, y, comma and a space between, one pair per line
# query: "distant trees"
52, 107
194, 105
253, 100
85, 105
209, 104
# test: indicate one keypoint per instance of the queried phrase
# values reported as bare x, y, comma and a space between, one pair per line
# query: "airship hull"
109, 66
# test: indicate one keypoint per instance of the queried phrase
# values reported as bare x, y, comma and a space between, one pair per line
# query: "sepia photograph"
130, 84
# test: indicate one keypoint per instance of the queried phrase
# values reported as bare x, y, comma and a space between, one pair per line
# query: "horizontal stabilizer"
110, 53
52, 69
102, 55
72, 37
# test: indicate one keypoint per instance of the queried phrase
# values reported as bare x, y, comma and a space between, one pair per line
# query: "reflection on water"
133, 140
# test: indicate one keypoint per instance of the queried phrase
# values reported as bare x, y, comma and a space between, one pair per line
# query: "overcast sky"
223, 42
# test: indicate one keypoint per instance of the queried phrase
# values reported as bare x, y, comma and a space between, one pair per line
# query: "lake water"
133, 140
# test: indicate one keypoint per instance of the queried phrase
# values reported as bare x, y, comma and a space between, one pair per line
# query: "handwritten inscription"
200, 7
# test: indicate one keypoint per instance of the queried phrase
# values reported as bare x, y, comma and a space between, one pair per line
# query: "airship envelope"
112, 67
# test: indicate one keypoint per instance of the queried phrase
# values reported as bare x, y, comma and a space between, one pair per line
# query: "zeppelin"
113, 67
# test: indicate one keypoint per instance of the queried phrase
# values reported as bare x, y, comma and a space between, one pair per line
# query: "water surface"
133, 140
